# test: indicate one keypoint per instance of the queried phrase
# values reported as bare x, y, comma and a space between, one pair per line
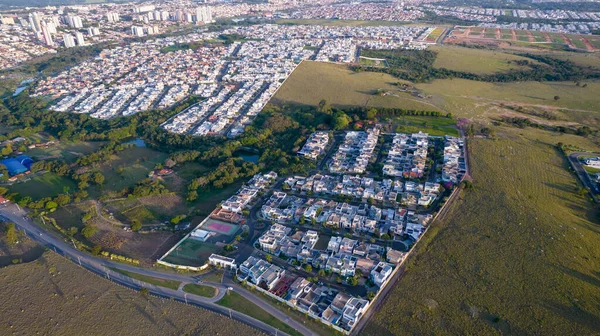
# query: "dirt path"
568, 41
589, 46
530, 36
548, 39
498, 34
514, 35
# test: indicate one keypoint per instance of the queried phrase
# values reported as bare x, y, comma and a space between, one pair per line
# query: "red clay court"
220, 227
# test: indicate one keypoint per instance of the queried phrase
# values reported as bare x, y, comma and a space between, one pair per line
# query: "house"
221, 261
394, 256
334, 244
593, 162
381, 273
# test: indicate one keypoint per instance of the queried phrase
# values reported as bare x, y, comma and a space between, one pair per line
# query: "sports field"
45, 185
191, 252
220, 227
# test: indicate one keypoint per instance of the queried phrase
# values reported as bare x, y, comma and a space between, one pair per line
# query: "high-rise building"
164, 15
204, 14
144, 8
74, 22
93, 31
7, 20
113, 17
46, 34
34, 21
51, 27
80, 40
69, 40
137, 31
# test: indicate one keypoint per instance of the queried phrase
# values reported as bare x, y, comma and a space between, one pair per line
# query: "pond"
137, 142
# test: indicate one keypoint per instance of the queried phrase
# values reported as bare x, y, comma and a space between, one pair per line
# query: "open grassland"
129, 167
479, 61
517, 255
237, 302
582, 59
172, 284
200, 290
148, 210
44, 185
465, 98
69, 152
335, 22
312, 82
54, 296
26, 250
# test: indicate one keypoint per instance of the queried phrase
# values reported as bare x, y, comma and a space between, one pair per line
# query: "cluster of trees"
417, 66
225, 173
525, 122
102, 154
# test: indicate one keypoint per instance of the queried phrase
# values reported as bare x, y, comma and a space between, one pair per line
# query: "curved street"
102, 267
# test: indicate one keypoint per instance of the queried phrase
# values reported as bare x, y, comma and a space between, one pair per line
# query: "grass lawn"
190, 170
591, 170
312, 82
215, 277
45, 185
172, 284
479, 61
192, 252
201, 290
517, 255
237, 302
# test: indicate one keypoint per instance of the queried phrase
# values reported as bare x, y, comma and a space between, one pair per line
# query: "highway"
101, 267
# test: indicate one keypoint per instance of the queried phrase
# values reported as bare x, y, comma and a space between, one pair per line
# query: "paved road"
584, 177
102, 267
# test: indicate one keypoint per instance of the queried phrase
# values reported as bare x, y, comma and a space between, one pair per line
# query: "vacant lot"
433, 126
312, 82
172, 284
148, 210
26, 250
517, 255
53, 296
201, 290
479, 61
45, 185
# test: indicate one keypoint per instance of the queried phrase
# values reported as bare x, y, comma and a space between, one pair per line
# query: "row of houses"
319, 301
454, 167
365, 189
354, 154
315, 145
407, 156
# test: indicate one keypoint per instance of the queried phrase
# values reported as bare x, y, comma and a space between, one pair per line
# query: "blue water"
137, 142
250, 158
19, 90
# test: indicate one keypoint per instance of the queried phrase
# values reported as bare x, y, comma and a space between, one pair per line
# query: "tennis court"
220, 227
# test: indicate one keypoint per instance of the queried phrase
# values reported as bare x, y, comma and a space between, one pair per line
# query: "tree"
51, 205
308, 268
372, 113
370, 296
96, 249
556, 97
98, 178
269, 258
340, 120
136, 225
353, 281
88, 231
385, 236
7, 150
62, 199
321, 273
11, 234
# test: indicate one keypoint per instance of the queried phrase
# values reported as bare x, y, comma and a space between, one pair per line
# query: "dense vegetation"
417, 66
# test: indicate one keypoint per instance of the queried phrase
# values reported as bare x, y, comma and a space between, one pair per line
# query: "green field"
216, 277
479, 61
45, 185
69, 152
205, 291
433, 126
192, 252
578, 43
517, 255
172, 284
237, 302
343, 87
